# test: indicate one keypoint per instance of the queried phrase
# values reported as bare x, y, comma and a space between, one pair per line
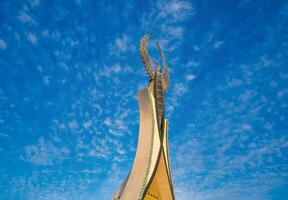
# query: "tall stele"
150, 176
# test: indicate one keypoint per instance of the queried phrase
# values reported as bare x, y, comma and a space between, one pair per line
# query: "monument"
150, 176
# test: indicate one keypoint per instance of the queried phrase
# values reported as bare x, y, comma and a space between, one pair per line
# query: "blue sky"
70, 71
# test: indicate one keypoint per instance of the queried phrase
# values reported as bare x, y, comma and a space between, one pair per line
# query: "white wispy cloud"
24, 17
193, 63
32, 38
121, 45
217, 44
46, 80
99, 148
117, 128
34, 3
3, 44
176, 9
196, 48
233, 83
45, 152
87, 124
73, 125
173, 31
190, 77
114, 69
178, 91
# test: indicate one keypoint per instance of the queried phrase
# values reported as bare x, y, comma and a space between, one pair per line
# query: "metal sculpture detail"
159, 78
150, 176
152, 73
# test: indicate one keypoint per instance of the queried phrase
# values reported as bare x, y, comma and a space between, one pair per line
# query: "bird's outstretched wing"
145, 56
165, 70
